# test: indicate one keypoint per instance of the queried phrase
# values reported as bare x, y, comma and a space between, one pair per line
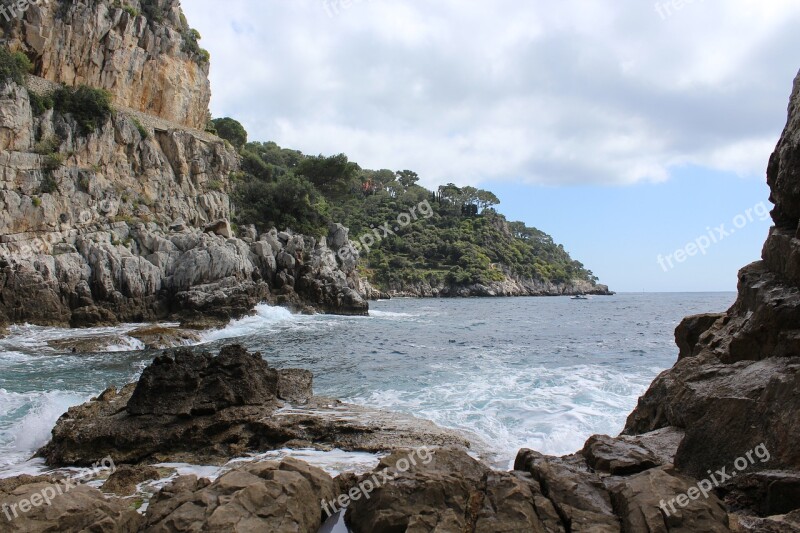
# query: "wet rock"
295, 385
618, 456
688, 333
579, 496
658, 500
94, 344
125, 479
162, 338
189, 384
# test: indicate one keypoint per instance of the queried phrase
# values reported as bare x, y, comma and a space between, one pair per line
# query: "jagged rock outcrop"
447, 490
143, 52
131, 222
198, 408
737, 384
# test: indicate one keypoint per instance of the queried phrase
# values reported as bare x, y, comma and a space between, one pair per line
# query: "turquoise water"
544, 373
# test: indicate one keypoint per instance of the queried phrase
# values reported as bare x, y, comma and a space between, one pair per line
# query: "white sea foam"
265, 317
389, 314
334, 462
552, 410
26, 422
34, 340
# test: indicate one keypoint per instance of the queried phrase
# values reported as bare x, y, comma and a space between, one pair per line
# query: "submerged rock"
162, 338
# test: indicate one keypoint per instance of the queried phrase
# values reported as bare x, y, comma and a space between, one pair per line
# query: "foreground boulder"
268, 496
193, 407
81, 508
447, 490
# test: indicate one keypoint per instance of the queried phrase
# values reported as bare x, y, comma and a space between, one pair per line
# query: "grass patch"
142, 130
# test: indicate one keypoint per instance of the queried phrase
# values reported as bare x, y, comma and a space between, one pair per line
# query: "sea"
540, 373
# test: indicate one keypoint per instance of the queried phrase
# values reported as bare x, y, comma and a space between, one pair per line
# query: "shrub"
13, 66
36, 201
47, 146
88, 106
52, 162
153, 11
40, 103
191, 45
49, 184
23, 62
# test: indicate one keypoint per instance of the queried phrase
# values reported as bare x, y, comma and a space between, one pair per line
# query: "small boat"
579, 297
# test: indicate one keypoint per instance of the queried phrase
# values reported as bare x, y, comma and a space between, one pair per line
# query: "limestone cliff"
142, 51
129, 222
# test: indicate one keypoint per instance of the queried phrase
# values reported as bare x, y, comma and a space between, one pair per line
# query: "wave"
265, 317
27, 419
551, 410
389, 314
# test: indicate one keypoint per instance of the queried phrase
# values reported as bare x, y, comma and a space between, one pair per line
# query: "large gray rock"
736, 387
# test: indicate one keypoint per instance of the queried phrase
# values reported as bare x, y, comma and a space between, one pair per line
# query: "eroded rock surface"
276, 497
77, 509
736, 389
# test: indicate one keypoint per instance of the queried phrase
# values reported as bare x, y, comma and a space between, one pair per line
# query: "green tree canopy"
232, 131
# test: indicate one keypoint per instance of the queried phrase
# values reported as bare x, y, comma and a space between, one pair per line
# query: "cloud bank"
574, 92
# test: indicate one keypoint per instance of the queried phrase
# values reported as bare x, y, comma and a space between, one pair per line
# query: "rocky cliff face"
737, 383
130, 222
144, 53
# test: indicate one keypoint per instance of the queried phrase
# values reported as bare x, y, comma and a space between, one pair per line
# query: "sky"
631, 131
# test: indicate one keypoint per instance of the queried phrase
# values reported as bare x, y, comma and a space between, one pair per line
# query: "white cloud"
540, 92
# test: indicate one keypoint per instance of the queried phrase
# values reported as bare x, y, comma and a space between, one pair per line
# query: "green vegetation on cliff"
456, 236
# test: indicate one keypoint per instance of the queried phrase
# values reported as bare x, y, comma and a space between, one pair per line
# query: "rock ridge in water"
194, 407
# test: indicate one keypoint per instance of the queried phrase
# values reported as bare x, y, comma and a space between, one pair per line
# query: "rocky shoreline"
510, 287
